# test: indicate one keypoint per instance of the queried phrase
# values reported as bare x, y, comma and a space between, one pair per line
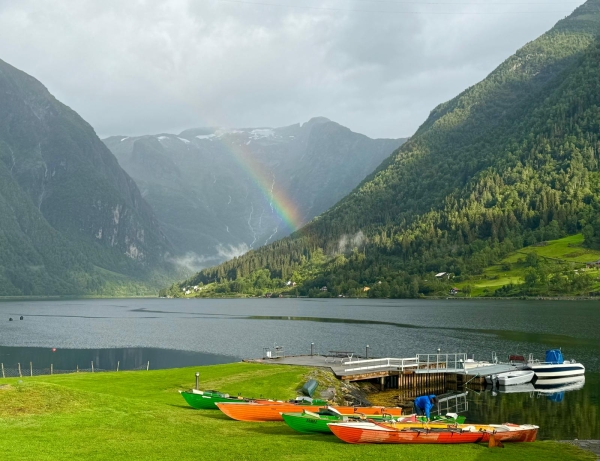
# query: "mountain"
220, 192
512, 161
73, 222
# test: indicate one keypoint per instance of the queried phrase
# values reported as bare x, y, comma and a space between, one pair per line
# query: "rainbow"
274, 194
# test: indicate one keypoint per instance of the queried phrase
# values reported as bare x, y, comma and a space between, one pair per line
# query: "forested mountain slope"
509, 162
72, 221
231, 190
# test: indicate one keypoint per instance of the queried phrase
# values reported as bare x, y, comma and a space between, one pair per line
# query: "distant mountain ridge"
219, 192
72, 219
510, 162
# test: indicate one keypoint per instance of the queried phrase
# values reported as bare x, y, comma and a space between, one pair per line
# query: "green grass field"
140, 415
565, 250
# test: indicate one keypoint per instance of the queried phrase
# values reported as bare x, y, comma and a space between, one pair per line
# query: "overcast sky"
379, 67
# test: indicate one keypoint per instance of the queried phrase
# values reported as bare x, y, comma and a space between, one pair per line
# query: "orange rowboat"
260, 412
384, 433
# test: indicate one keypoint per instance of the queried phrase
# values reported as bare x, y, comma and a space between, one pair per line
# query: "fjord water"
170, 333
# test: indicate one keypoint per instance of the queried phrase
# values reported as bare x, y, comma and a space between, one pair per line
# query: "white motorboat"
555, 371
513, 378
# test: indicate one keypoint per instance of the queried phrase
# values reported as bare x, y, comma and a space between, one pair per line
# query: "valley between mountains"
509, 164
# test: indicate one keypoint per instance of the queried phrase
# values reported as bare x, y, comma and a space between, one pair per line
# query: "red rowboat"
386, 433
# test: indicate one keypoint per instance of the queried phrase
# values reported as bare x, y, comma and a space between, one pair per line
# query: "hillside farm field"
567, 252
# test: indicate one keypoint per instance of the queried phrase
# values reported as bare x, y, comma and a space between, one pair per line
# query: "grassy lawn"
565, 250
140, 415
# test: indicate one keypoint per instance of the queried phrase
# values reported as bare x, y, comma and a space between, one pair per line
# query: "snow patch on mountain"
262, 133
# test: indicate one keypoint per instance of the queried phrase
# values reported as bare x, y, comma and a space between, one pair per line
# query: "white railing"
386, 363
452, 361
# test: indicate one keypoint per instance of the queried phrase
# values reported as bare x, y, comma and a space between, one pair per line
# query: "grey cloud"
161, 66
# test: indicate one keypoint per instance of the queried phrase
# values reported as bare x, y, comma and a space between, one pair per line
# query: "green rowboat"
310, 422
206, 400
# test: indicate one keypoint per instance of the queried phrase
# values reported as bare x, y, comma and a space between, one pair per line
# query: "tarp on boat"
309, 387
554, 356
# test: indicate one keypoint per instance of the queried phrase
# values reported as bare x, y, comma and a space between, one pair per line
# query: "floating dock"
423, 370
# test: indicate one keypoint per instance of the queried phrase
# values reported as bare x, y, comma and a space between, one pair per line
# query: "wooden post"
77, 369
92, 366
19, 365
118, 363
3, 371
30, 368
51, 368
148, 365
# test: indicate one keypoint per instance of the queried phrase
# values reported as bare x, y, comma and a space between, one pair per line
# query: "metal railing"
379, 364
24, 370
454, 361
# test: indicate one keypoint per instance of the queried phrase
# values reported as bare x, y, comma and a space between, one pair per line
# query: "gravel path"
590, 445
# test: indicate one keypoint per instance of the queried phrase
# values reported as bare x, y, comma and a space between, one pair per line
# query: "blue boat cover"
554, 356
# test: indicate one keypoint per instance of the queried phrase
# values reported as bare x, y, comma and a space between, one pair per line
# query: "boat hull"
353, 434
304, 423
383, 433
515, 378
547, 374
259, 412
205, 401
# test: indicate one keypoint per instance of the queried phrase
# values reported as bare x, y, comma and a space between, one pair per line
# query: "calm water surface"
187, 332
